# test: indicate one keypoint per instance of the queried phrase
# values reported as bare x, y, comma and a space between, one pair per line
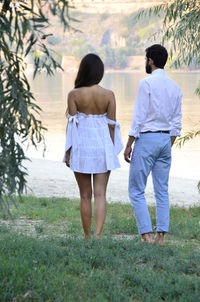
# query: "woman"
93, 140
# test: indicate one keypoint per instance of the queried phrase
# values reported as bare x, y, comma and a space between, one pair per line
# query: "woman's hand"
67, 157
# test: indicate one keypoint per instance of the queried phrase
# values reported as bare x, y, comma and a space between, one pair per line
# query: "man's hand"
128, 150
127, 154
173, 138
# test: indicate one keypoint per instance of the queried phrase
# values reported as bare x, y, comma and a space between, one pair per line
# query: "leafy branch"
188, 136
181, 28
24, 27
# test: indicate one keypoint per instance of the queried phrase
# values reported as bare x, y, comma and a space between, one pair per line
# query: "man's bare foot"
159, 238
147, 237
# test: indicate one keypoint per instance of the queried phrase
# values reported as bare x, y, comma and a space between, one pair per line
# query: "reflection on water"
51, 95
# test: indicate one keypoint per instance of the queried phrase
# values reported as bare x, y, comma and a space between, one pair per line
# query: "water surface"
51, 95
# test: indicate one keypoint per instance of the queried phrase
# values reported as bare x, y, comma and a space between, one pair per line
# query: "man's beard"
148, 68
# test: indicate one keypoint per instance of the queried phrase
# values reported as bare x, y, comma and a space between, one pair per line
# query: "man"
155, 125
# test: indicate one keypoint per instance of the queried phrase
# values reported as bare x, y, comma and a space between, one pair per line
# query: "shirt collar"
158, 71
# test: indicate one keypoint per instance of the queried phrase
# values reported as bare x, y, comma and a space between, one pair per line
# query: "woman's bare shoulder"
109, 93
72, 92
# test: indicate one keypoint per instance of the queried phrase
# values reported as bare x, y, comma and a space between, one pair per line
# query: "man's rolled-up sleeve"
176, 118
140, 109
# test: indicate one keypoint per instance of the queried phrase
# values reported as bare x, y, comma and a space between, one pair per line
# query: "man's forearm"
130, 141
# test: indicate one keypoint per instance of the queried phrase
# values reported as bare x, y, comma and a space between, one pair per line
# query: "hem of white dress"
92, 172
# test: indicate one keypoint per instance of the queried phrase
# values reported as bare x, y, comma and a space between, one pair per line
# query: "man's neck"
153, 67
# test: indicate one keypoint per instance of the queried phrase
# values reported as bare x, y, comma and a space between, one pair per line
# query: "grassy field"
43, 256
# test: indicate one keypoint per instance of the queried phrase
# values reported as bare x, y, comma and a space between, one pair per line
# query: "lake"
51, 95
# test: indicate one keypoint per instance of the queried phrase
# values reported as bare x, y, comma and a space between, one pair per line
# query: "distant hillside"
113, 6
115, 37
119, 38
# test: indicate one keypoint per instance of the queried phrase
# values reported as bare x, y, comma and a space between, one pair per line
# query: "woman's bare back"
92, 100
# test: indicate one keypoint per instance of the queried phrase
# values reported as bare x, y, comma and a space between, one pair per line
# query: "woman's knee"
100, 194
86, 195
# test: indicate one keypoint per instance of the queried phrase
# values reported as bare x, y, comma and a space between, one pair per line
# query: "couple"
93, 141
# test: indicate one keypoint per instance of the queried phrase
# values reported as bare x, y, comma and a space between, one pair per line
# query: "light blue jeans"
151, 153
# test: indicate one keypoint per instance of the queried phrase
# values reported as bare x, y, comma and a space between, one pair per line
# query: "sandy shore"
51, 178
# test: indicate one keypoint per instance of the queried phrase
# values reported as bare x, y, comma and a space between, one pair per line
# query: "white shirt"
157, 106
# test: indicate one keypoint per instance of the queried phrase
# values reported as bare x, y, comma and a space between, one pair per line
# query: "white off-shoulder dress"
92, 149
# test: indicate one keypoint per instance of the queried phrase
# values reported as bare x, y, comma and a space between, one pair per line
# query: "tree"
24, 27
80, 47
107, 54
181, 29
120, 58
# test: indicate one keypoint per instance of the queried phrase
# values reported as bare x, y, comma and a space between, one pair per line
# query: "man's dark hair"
158, 54
90, 71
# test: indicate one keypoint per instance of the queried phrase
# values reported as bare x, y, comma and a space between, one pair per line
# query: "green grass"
61, 216
43, 256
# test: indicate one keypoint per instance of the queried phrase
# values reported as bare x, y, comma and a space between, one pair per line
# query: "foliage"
144, 32
198, 90
80, 47
54, 40
132, 45
139, 31
189, 135
120, 58
198, 186
181, 26
104, 16
24, 27
113, 57
132, 21
107, 54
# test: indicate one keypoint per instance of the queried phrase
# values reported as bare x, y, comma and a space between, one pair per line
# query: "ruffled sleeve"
118, 144
71, 133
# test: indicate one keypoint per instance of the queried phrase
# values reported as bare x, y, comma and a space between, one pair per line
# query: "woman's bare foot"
147, 237
159, 238
96, 236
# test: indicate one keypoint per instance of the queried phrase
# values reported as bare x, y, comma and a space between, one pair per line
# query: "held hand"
67, 163
67, 156
127, 154
173, 138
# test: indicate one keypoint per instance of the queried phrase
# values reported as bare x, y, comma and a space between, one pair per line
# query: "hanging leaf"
23, 30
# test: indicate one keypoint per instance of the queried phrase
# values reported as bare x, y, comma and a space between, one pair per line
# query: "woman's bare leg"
85, 188
100, 185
